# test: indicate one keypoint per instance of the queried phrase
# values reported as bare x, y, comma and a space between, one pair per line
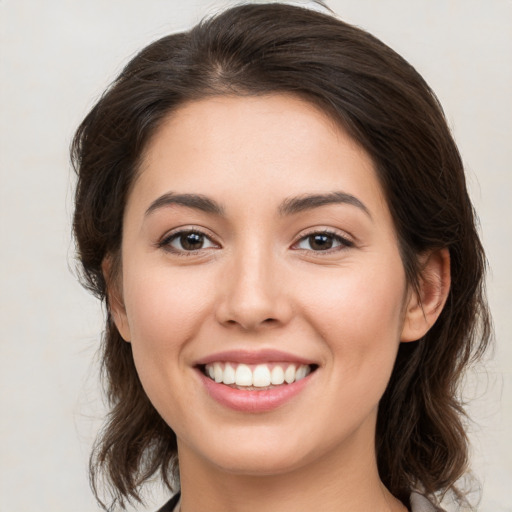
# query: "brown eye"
323, 241
187, 241
320, 242
191, 241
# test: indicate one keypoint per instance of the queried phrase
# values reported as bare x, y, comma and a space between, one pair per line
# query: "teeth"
229, 376
289, 374
218, 374
259, 376
301, 372
243, 375
277, 376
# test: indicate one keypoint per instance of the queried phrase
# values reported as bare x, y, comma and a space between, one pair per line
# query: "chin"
256, 457
257, 464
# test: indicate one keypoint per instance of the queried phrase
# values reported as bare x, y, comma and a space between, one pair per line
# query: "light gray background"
56, 58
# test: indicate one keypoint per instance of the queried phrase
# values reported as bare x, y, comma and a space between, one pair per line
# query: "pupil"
320, 242
191, 241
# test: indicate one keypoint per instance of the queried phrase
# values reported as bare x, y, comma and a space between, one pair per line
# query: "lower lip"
253, 401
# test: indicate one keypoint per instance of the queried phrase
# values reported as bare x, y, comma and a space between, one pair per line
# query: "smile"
248, 383
256, 376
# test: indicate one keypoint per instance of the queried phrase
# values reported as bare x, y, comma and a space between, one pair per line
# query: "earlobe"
115, 301
425, 304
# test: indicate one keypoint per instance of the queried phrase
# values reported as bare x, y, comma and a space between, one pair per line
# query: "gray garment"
421, 504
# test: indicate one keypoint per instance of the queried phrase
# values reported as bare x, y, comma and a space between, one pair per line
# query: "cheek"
164, 311
358, 314
161, 301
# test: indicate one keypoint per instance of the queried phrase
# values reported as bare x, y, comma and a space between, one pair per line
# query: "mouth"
256, 377
258, 381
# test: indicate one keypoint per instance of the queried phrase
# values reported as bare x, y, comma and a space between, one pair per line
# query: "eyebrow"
289, 206
307, 202
196, 201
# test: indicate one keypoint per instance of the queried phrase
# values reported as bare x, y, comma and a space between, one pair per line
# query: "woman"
275, 212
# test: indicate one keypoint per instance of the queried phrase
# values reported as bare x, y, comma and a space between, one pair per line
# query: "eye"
322, 241
187, 241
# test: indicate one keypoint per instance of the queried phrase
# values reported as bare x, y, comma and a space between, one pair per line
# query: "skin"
259, 283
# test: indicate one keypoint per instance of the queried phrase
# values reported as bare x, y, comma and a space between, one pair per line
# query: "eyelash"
165, 243
343, 241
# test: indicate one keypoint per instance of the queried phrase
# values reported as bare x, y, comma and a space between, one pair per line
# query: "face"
262, 288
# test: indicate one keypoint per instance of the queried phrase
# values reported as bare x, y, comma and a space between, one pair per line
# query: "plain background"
56, 57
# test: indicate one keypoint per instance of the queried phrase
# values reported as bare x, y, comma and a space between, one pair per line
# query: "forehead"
272, 145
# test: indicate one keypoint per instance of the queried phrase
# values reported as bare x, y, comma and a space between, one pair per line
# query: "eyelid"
346, 241
165, 240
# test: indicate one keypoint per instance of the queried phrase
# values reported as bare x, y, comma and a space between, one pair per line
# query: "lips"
254, 381
253, 357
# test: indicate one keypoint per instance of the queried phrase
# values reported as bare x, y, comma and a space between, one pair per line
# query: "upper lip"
253, 357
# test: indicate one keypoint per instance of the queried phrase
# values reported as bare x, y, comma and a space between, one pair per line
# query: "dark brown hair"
391, 112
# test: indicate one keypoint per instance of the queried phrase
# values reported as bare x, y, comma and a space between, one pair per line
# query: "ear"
115, 303
425, 304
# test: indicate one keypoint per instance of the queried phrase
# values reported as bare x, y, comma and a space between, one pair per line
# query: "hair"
387, 107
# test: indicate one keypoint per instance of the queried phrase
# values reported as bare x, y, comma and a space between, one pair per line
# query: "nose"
253, 294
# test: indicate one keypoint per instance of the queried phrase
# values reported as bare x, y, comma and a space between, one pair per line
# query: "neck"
341, 482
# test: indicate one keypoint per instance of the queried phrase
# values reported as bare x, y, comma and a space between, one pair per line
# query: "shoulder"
420, 503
